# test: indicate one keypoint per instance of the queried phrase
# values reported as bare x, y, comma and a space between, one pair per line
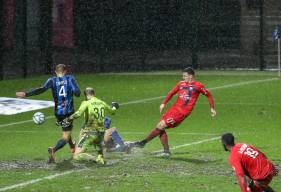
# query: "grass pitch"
247, 105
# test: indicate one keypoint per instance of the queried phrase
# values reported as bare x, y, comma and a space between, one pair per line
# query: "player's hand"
162, 107
213, 112
115, 105
20, 94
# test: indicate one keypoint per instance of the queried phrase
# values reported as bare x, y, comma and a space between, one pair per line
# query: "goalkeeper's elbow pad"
115, 105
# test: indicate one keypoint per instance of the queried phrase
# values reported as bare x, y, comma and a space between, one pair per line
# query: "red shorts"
261, 185
173, 117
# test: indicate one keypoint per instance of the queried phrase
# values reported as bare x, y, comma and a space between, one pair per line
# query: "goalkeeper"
94, 111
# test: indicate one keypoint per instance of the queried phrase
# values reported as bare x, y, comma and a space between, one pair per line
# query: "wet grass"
252, 112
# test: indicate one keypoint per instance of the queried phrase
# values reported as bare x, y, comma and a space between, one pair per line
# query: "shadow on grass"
195, 161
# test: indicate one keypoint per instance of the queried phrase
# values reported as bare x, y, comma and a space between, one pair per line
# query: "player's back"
95, 114
253, 161
63, 89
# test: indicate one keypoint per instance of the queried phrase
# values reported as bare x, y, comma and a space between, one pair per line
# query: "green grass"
252, 112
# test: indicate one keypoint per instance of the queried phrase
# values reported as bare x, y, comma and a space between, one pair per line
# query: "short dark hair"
228, 139
89, 91
60, 68
189, 70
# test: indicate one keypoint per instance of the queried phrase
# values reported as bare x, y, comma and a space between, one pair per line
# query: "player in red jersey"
247, 160
188, 92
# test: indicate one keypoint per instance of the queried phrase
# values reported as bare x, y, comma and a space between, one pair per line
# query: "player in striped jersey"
63, 87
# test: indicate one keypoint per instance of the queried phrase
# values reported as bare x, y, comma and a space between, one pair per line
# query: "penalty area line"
50, 177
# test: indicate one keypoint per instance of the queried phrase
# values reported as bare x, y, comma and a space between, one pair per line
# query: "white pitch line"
79, 170
189, 144
161, 97
39, 179
22, 122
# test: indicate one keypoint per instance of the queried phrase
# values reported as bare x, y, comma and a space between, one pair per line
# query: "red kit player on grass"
247, 160
188, 92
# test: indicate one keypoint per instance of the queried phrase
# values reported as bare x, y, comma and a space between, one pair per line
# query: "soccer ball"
38, 118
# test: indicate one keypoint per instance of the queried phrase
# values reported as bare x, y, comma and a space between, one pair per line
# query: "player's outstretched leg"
160, 128
154, 133
164, 140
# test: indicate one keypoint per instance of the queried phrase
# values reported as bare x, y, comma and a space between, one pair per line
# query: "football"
38, 118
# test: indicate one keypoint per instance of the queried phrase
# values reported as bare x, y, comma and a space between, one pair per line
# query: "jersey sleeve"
208, 94
237, 167
80, 111
171, 94
75, 87
109, 109
39, 90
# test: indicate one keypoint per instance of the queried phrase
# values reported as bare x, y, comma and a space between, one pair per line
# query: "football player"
248, 161
188, 92
113, 142
92, 134
63, 88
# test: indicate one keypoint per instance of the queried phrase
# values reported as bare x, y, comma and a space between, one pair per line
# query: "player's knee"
110, 130
66, 136
161, 125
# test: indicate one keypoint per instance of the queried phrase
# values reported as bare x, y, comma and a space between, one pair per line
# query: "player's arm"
208, 94
168, 97
80, 111
241, 177
75, 87
111, 109
243, 183
35, 91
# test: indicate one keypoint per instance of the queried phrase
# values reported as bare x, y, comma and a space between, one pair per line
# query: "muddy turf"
248, 104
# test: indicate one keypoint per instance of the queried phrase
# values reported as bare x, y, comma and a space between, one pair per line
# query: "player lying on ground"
94, 111
188, 92
113, 142
248, 161
63, 88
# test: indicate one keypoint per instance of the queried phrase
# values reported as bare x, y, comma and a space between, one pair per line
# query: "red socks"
154, 133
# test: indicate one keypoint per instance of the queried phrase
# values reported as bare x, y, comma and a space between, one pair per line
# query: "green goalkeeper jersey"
94, 111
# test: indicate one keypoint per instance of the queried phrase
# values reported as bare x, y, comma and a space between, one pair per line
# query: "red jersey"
248, 160
188, 94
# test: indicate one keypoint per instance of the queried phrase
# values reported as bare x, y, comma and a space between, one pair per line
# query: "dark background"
136, 35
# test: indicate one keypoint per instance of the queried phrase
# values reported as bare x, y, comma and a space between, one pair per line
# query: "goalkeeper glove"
115, 105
